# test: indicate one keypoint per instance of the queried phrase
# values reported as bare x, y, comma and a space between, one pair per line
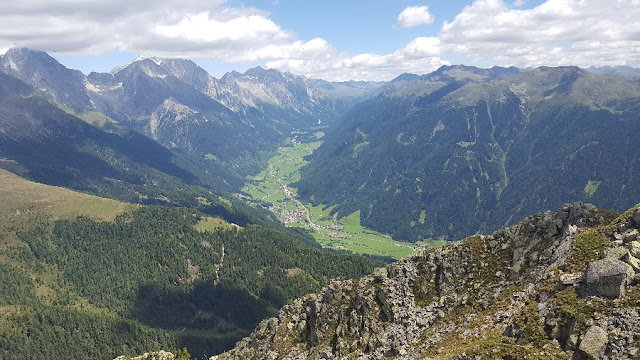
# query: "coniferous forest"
150, 280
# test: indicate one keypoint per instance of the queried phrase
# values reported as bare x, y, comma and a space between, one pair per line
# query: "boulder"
593, 342
617, 252
608, 277
634, 248
635, 218
634, 262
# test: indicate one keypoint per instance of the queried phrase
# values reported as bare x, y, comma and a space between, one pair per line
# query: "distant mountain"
225, 125
294, 101
149, 98
281, 101
43, 72
464, 149
43, 143
627, 71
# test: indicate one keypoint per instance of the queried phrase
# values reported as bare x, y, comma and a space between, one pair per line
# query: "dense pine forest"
150, 280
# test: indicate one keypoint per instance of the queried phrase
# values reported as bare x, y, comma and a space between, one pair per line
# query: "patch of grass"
586, 247
23, 201
94, 118
465, 144
212, 224
224, 201
362, 240
624, 217
530, 326
358, 148
493, 347
591, 187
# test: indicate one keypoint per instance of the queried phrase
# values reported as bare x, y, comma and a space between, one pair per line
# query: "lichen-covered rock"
633, 262
634, 248
608, 277
616, 252
593, 342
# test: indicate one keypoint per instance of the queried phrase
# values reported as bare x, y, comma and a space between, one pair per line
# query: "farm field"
272, 188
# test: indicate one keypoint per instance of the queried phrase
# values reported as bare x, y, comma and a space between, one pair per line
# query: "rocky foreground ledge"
561, 285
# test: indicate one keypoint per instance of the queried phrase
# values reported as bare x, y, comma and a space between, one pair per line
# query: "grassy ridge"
21, 199
329, 228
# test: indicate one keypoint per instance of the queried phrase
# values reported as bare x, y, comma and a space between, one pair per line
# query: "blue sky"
335, 40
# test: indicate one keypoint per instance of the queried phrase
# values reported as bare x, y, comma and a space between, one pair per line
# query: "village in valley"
272, 188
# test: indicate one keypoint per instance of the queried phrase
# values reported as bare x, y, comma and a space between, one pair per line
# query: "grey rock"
593, 342
635, 218
634, 248
608, 277
634, 262
616, 252
570, 279
630, 235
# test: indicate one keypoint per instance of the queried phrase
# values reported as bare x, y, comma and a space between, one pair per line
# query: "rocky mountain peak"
43, 72
557, 285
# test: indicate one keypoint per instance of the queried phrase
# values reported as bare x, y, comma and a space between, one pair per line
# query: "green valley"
272, 188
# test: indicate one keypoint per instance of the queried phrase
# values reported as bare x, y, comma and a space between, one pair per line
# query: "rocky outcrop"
155, 355
557, 285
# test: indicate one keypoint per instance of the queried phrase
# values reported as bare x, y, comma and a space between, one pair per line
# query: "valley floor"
272, 187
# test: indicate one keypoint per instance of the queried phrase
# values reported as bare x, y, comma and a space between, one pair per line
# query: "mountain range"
223, 124
181, 260
463, 150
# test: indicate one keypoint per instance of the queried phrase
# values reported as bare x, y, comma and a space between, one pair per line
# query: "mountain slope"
558, 285
149, 98
226, 126
43, 143
87, 277
484, 147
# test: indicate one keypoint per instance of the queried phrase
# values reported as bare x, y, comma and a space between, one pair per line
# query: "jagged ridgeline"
561, 285
224, 126
462, 150
125, 279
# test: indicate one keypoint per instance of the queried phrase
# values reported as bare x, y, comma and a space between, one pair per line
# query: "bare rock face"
497, 296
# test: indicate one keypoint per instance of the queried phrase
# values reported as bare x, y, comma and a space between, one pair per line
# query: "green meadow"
272, 188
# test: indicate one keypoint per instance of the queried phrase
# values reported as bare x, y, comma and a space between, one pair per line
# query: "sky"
328, 39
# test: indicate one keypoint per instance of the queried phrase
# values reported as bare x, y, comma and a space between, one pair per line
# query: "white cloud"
419, 56
557, 32
202, 28
484, 33
414, 16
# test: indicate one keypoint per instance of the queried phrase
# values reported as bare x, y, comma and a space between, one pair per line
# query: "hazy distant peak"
405, 77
